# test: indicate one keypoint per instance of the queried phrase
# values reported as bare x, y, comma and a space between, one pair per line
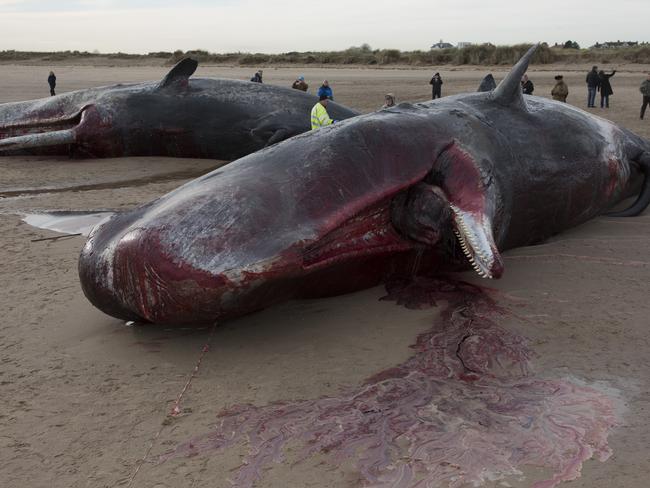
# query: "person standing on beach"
645, 91
300, 84
389, 100
436, 86
257, 77
526, 85
593, 82
560, 91
51, 80
605, 88
319, 116
326, 89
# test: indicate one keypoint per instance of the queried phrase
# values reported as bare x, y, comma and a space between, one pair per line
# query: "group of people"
598, 81
300, 84
319, 116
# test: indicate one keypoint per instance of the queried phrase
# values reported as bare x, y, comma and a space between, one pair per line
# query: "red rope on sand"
176, 410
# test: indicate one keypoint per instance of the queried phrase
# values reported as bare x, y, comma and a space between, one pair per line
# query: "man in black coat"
436, 86
605, 88
51, 80
593, 82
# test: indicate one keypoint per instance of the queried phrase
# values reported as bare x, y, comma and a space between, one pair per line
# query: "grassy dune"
480, 55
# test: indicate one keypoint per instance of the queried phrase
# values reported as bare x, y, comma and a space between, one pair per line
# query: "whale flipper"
180, 73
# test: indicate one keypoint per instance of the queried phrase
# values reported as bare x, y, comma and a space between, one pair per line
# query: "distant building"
615, 44
442, 45
461, 45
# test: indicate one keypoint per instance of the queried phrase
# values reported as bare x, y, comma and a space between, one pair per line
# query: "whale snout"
135, 271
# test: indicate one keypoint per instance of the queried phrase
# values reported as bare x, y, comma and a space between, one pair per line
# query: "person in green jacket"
645, 90
319, 116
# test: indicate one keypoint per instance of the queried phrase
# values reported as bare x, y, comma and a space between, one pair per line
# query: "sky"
275, 26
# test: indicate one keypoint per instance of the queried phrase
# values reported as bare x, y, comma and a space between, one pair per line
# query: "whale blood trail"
463, 409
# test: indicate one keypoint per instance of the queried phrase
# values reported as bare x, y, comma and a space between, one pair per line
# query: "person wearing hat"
436, 86
389, 100
326, 89
560, 91
300, 84
319, 116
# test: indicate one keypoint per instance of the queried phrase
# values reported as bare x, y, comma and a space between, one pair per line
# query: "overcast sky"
272, 26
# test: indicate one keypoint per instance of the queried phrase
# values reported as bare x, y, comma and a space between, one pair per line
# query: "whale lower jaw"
474, 233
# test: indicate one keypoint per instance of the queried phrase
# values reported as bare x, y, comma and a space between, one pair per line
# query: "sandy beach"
85, 399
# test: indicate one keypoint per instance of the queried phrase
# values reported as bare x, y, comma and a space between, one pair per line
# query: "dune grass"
479, 55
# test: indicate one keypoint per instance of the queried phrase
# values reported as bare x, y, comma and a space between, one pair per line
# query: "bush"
257, 59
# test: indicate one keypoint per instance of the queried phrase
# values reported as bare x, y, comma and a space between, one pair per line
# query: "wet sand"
84, 398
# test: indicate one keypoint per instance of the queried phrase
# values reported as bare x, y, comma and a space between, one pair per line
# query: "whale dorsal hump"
508, 92
180, 73
487, 84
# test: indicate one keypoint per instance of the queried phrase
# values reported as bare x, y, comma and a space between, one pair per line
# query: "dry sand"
83, 397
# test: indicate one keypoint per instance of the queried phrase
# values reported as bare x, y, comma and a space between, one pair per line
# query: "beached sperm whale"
178, 116
346, 206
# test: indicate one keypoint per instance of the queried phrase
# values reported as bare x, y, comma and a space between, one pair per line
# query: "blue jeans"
604, 101
591, 96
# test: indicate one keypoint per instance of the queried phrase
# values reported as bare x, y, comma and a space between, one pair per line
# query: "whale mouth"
474, 233
35, 133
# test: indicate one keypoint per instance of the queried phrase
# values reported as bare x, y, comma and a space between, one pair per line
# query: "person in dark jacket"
645, 91
605, 88
526, 85
51, 80
593, 82
436, 86
326, 89
257, 77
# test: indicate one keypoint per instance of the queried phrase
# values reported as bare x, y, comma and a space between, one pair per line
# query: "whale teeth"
469, 245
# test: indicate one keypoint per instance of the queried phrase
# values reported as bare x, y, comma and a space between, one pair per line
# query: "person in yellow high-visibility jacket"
319, 116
